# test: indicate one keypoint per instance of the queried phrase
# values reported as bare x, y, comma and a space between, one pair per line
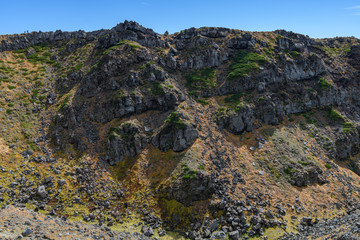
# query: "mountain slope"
207, 131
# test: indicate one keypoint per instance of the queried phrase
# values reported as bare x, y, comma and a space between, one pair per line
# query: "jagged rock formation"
209, 122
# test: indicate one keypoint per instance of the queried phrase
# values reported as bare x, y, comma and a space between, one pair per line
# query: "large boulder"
128, 139
176, 134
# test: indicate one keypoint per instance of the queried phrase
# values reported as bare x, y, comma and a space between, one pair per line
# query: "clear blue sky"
316, 18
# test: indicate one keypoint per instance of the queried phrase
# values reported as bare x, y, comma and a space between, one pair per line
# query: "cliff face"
219, 126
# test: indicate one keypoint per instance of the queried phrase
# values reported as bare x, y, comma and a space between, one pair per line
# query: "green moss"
187, 173
303, 163
261, 99
348, 127
244, 63
333, 115
120, 94
323, 83
328, 166
288, 170
202, 101
294, 54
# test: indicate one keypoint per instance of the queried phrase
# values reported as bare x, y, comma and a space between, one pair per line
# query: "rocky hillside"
206, 133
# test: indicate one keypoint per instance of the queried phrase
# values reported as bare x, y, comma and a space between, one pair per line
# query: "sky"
316, 18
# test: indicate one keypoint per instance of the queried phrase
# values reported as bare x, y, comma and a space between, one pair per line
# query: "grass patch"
202, 101
323, 83
119, 94
295, 54
333, 115
308, 117
328, 166
132, 44
201, 80
244, 63
146, 65
261, 99
303, 163
157, 88
289, 170
188, 174
235, 98
65, 102
78, 67
348, 127
19, 51
174, 120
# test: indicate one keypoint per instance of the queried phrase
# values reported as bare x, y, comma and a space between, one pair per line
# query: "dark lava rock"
26, 232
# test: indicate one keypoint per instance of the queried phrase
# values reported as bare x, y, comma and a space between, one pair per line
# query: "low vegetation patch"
174, 120
188, 174
201, 80
308, 117
120, 94
132, 44
295, 54
244, 63
202, 101
348, 127
328, 166
333, 115
323, 83
157, 88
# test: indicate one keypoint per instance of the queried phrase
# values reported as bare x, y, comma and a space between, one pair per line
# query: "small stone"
42, 191
61, 182
234, 235
26, 232
218, 235
162, 233
147, 231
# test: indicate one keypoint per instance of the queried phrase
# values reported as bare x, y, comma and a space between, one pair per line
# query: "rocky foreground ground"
19, 222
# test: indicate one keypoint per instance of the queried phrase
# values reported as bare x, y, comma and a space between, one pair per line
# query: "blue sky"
316, 18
